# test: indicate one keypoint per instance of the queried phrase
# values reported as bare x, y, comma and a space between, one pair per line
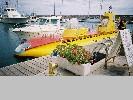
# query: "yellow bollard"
52, 69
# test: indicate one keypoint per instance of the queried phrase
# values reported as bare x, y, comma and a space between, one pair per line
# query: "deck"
37, 66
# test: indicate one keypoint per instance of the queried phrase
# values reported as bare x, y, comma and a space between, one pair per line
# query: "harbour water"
9, 41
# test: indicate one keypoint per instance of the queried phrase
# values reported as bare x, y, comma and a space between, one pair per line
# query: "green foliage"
73, 53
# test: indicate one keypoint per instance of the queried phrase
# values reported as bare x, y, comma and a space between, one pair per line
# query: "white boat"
33, 18
47, 26
93, 20
49, 30
12, 16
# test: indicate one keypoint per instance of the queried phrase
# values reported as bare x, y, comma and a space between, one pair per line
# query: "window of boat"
5, 15
5, 10
42, 21
8, 9
54, 21
46, 21
12, 9
68, 41
73, 40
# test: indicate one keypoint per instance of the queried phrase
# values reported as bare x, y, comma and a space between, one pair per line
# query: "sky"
74, 7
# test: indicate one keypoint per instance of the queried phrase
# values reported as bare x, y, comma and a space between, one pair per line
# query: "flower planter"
82, 70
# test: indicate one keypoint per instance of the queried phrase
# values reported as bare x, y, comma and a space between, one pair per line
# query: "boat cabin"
11, 13
50, 20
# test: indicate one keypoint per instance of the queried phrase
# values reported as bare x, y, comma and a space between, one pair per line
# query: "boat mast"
54, 7
89, 2
101, 7
17, 4
62, 2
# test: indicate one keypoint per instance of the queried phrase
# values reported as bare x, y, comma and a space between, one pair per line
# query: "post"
52, 69
129, 73
106, 58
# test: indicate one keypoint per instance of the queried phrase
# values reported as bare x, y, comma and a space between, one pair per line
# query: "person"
122, 24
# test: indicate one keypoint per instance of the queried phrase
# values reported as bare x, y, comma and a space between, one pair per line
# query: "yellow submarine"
82, 37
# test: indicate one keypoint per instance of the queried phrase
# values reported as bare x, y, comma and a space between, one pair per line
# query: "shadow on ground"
116, 71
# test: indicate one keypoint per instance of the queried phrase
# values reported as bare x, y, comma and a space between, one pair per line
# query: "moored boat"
80, 36
46, 26
93, 20
10, 15
48, 31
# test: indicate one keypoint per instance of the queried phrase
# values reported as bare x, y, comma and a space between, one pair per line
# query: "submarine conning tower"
107, 23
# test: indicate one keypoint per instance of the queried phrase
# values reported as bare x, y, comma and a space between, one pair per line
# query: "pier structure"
38, 66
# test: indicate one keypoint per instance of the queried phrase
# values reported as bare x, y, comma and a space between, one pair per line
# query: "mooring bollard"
52, 69
129, 72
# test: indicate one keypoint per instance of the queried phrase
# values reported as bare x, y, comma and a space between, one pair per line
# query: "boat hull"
14, 20
29, 36
47, 49
93, 20
38, 31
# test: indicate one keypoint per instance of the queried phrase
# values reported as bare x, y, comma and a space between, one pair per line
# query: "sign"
128, 46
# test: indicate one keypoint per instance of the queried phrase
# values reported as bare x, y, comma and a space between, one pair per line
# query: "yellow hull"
47, 49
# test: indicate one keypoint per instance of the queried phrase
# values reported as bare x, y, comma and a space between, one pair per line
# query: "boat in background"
11, 16
33, 18
82, 20
93, 20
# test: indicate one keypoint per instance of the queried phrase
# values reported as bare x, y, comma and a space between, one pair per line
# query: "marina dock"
37, 66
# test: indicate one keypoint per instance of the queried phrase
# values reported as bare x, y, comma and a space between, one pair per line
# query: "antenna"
110, 7
101, 7
6, 3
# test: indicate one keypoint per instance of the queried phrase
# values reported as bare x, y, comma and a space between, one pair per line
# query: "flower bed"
73, 53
